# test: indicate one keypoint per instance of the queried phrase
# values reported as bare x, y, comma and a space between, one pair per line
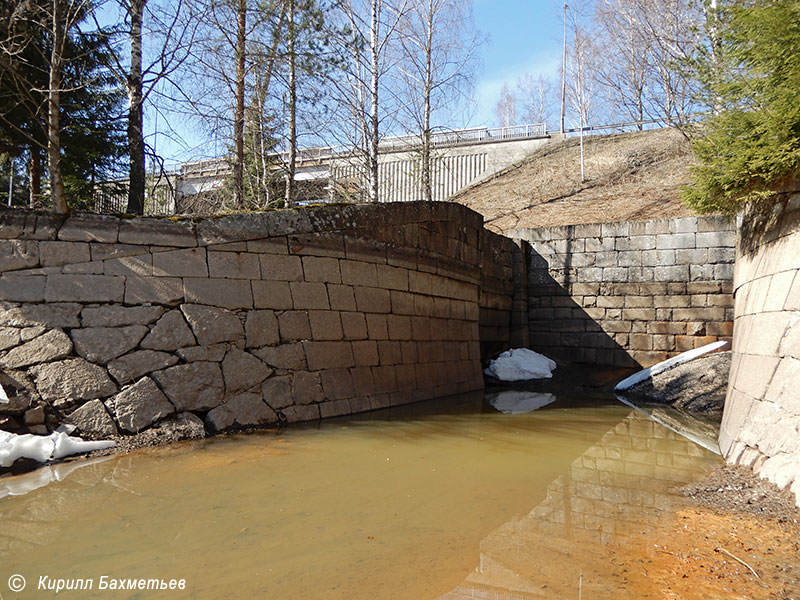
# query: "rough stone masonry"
118, 324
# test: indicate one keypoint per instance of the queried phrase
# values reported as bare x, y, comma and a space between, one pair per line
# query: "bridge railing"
467, 136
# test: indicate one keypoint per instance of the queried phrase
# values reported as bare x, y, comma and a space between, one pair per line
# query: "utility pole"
564, 72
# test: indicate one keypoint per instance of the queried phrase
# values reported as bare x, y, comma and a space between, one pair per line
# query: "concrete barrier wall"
117, 324
761, 422
629, 293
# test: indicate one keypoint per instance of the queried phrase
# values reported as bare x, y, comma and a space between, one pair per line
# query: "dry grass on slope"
629, 176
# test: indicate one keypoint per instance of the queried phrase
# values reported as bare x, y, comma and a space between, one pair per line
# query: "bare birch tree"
437, 60
536, 99
506, 107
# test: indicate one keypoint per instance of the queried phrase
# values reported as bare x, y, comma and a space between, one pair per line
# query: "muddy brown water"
444, 500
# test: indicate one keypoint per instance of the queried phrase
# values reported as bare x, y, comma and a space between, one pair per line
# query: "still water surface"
445, 500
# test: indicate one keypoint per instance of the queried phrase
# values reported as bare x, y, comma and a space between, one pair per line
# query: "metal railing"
475, 135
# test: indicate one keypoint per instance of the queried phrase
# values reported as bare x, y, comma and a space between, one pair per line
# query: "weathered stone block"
321, 269
84, 288
169, 333
101, 252
294, 325
354, 326
713, 239
298, 414
103, 344
46, 315
69, 381
358, 273
92, 420
261, 329
130, 367
317, 244
325, 325
676, 240
277, 392
162, 290
53, 254
117, 316
234, 265
309, 295
281, 268
189, 262
50, 346
226, 293
341, 297
212, 325
196, 386
675, 273
365, 353
242, 410
136, 266
290, 357
274, 245
157, 232
18, 254
213, 353
337, 384
139, 406
328, 355
22, 288
272, 294
241, 371
377, 327
9, 337
373, 300
306, 388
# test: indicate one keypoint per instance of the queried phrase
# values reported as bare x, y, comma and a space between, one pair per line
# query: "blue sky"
524, 37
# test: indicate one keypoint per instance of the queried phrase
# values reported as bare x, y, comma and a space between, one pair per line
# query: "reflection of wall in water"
613, 493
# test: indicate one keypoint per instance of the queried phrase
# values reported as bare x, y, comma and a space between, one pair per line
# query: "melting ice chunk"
42, 448
518, 402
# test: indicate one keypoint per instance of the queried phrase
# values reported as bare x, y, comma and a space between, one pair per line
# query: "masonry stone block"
169, 333
241, 410
321, 269
161, 290
130, 367
47, 347
90, 228
372, 300
118, 316
281, 268
261, 327
306, 388
212, 325
69, 381
84, 288
309, 295
354, 325
301, 413
18, 254
92, 420
233, 265
156, 232
225, 293
194, 386
103, 344
277, 392
139, 406
294, 325
290, 356
188, 262
328, 355
18, 288
242, 371
62, 253
341, 297
129, 266
270, 245
276, 295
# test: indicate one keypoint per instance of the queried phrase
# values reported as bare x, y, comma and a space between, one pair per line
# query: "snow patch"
519, 402
42, 448
520, 364
667, 364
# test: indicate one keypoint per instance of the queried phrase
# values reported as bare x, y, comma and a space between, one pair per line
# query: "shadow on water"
400, 503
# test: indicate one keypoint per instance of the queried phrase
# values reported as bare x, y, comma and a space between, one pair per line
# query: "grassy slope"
629, 176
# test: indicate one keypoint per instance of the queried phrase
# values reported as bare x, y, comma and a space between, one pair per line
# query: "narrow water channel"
445, 500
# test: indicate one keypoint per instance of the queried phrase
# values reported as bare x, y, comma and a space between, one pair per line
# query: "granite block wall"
118, 325
761, 421
629, 294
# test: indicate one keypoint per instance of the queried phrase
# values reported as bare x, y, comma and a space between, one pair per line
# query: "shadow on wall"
629, 294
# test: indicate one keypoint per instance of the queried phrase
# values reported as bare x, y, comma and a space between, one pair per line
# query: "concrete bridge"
460, 158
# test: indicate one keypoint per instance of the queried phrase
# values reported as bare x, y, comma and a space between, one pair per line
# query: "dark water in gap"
448, 499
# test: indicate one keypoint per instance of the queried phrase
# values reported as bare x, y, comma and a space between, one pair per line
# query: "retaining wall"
117, 324
630, 294
761, 422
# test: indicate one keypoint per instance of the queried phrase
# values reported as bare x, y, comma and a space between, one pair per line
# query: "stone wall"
761, 422
629, 293
504, 295
117, 324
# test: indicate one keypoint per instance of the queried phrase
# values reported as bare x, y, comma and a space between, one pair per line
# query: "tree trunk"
374, 121
290, 193
53, 108
136, 176
35, 172
427, 179
238, 134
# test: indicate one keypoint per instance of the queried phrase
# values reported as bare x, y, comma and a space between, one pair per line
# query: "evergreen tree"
751, 143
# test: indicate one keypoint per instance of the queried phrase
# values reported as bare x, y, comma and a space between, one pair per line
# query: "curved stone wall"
119, 324
761, 423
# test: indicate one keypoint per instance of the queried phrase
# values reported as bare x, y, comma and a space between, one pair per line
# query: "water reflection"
620, 490
400, 504
519, 402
